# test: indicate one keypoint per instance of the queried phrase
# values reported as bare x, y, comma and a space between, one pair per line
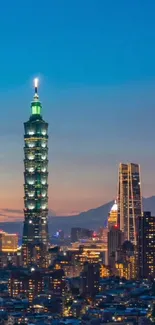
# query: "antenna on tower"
36, 81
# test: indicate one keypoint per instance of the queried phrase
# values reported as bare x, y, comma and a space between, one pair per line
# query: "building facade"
8, 249
57, 282
129, 200
8, 242
115, 240
24, 285
146, 246
35, 231
90, 278
126, 261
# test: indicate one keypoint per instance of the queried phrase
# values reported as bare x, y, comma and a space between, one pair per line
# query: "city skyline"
97, 82
77, 162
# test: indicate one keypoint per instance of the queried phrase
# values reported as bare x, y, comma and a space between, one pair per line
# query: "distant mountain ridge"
92, 219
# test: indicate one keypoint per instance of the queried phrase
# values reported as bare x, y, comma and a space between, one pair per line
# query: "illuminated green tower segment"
36, 105
35, 231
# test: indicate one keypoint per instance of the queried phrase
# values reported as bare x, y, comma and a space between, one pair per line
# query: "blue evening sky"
96, 63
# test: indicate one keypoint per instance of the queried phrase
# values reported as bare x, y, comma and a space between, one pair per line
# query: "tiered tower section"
35, 232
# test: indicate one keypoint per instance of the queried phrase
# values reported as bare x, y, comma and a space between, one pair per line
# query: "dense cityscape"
77, 162
88, 277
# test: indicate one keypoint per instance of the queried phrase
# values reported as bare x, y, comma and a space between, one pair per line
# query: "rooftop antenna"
36, 82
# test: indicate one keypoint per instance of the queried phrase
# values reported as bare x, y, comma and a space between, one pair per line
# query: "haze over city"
95, 61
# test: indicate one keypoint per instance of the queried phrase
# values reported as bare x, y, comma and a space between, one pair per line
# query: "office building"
35, 231
126, 261
90, 278
8, 242
88, 252
57, 282
8, 249
129, 200
112, 218
67, 263
115, 240
146, 246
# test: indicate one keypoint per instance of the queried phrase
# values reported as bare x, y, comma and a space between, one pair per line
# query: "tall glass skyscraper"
35, 231
129, 200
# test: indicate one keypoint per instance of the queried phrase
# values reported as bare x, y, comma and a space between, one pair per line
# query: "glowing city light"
36, 82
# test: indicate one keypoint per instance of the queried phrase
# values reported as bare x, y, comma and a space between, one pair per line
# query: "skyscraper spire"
36, 82
36, 105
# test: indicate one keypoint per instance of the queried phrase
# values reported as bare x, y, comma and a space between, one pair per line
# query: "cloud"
13, 211
13, 215
6, 218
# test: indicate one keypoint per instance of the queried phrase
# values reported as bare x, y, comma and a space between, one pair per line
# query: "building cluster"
77, 286
99, 277
48, 297
131, 231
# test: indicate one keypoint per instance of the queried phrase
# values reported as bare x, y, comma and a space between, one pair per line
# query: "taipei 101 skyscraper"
35, 230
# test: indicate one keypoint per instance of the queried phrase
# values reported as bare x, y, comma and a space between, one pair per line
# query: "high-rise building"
146, 246
35, 231
90, 278
115, 240
112, 219
129, 200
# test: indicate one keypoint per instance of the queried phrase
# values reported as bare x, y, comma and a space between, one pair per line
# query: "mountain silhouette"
92, 219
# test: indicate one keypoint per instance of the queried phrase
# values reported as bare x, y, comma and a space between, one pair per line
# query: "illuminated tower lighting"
113, 216
36, 82
35, 231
